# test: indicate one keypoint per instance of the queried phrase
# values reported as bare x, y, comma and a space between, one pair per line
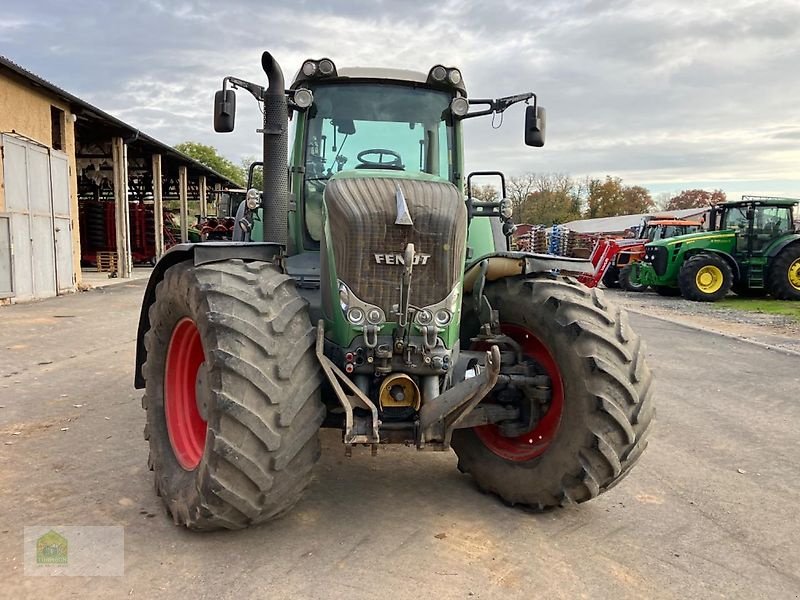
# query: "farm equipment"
611, 256
752, 247
98, 230
656, 229
389, 308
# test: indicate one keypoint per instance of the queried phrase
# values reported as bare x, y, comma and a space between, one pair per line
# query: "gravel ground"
774, 330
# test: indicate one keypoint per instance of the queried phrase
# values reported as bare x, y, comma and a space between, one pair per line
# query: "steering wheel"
395, 164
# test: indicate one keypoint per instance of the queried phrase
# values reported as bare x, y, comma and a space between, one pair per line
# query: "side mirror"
224, 111
535, 120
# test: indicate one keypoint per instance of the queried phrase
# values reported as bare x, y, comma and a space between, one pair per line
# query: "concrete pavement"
709, 512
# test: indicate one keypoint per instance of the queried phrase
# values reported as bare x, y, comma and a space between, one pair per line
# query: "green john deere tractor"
752, 247
366, 294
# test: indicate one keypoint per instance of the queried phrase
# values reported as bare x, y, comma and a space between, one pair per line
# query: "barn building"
78, 185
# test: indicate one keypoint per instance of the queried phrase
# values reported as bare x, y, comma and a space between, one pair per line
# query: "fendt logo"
398, 259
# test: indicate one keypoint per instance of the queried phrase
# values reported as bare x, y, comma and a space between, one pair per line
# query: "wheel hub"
532, 443
185, 394
709, 279
794, 274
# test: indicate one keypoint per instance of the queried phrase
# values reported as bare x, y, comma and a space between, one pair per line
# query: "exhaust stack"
276, 150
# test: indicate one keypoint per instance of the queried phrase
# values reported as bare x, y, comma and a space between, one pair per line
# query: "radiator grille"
361, 214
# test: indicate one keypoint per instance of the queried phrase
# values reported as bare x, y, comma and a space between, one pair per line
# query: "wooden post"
203, 193
217, 198
183, 192
158, 205
119, 154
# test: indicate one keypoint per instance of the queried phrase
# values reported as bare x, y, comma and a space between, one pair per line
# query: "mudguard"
737, 273
200, 254
776, 249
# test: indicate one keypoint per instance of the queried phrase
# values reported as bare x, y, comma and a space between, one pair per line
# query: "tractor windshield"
386, 126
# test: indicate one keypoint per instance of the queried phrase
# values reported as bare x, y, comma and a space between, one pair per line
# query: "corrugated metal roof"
623, 222
101, 115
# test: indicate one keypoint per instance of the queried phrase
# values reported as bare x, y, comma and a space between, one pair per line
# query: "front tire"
611, 277
601, 388
628, 280
705, 278
783, 279
232, 394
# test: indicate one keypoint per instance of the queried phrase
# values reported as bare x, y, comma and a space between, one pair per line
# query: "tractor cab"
756, 221
659, 229
379, 122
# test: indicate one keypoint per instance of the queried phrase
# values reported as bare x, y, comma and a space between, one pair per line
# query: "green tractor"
366, 294
752, 247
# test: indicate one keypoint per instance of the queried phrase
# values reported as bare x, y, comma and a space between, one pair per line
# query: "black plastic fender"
790, 239
737, 273
202, 253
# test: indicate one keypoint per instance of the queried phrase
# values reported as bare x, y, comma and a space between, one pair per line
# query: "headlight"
344, 296
326, 66
303, 98
443, 317
309, 68
454, 76
253, 199
459, 106
424, 317
355, 315
375, 316
438, 73
505, 209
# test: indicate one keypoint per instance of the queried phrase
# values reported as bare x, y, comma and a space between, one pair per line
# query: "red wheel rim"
185, 426
535, 442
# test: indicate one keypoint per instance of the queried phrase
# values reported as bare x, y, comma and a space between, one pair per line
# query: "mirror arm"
256, 90
498, 105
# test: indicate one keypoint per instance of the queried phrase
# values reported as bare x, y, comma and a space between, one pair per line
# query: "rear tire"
605, 389
783, 279
628, 280
241, 449
705, 278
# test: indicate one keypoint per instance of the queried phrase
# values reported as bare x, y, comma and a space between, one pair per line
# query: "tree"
519, 188
695, 199
258, 172
554, 199
637, 200
485, 193
662, 200
210, 157
610, 198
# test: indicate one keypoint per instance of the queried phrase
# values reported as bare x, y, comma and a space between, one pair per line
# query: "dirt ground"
709, 512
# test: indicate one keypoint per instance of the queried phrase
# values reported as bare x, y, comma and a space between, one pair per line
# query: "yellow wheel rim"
709, 279
794, 274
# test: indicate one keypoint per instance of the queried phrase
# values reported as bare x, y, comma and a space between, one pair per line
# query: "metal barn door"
29, 204
62, 224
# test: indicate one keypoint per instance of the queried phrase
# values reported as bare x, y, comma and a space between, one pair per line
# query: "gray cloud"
659, 93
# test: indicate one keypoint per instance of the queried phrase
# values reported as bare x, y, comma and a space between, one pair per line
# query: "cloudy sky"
666, 94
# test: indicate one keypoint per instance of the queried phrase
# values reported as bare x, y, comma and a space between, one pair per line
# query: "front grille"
659, 259
361, 214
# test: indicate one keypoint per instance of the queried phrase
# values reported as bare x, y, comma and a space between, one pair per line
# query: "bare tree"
485, 193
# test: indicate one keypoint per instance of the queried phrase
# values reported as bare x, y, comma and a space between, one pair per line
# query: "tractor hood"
375, 222
691, 238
